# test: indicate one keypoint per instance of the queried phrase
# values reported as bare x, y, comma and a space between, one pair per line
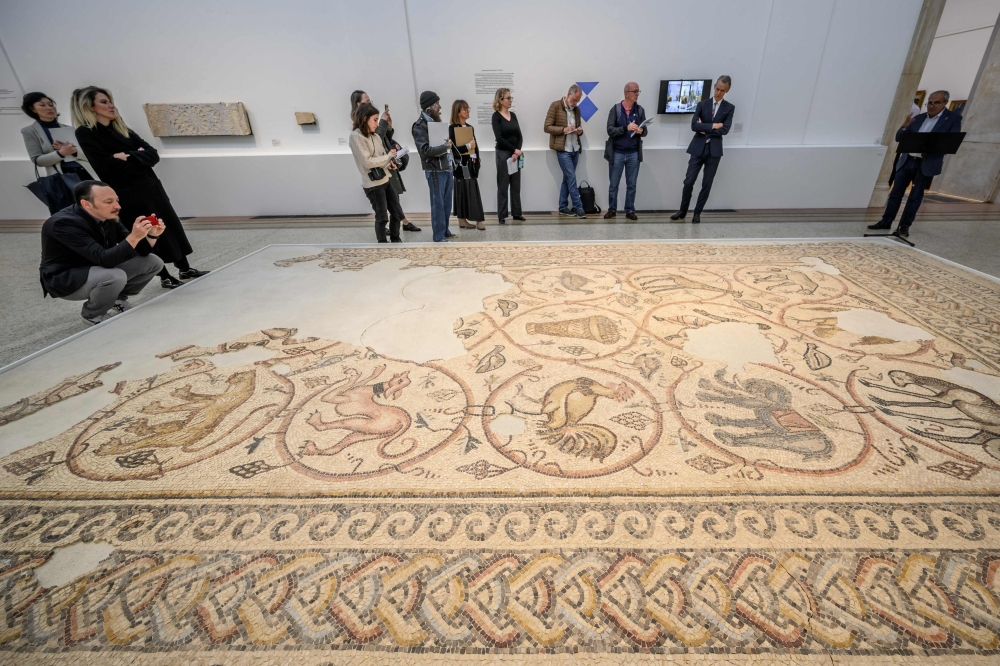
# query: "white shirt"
914, 110
715, 110
572, 140
927, 126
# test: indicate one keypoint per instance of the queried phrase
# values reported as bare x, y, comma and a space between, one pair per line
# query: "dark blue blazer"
948, 122
702, 122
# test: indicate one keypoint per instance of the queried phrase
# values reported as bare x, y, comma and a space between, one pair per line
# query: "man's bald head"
631, 93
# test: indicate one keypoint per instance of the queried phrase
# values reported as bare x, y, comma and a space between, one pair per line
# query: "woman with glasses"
509, 140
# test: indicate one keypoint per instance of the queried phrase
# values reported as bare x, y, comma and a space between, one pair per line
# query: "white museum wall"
959, 46
813, 83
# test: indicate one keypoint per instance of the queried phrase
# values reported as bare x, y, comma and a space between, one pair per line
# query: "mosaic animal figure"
574, 282
775, 423
566, 404
203, 414
785, 282
981, 413
365, 419
656, 284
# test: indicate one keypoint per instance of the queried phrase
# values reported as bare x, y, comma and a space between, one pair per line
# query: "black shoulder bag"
376, 173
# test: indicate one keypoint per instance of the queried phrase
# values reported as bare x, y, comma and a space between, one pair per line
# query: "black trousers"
385, 203
908, 173
505, 181
695, 164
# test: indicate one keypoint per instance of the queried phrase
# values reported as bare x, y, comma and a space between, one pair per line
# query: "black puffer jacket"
432, 158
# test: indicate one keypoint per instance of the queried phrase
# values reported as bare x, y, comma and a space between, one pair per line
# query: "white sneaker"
121, 305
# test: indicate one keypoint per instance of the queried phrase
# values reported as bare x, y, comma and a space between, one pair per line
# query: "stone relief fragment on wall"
217, 119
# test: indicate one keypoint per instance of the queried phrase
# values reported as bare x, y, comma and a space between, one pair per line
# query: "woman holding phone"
125, 162
375, 163
359, 97
508, 135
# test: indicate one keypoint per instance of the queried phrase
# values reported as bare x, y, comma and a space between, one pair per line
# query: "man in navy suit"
918, 169
712, 120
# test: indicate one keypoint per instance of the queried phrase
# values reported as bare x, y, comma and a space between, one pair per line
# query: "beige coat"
369, 153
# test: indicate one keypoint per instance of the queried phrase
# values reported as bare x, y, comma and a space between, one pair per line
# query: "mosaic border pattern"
723, 522
717, 601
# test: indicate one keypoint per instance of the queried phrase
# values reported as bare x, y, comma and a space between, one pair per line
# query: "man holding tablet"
623, 150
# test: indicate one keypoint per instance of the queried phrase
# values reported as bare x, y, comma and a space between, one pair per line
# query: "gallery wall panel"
820, 74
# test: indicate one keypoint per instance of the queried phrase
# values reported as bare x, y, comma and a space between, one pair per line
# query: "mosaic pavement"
768, 452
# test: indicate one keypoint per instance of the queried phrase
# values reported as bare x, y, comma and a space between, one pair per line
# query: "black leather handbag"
55, 191
376, 173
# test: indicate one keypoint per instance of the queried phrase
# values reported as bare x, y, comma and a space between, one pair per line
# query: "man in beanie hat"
437, 165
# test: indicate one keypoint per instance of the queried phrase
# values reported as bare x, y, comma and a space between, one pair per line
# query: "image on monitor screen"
682, 95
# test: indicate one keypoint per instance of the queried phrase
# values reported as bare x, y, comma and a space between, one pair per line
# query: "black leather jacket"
432, 158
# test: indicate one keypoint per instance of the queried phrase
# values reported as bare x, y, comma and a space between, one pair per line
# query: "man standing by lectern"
712, 120
917, 169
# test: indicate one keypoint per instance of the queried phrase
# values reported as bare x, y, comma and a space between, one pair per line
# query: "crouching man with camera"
88, 255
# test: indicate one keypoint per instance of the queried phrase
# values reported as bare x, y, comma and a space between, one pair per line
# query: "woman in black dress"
125, 162
468, 204
509, 139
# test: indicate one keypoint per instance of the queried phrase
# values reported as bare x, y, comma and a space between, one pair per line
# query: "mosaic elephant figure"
775, 423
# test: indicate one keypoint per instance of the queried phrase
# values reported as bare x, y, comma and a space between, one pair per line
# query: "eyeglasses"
632, 91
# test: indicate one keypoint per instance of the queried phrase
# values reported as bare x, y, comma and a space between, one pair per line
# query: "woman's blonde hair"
74, 106
82, 107
499, 96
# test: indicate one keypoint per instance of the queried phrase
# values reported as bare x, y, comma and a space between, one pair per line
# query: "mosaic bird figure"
574, 282
506, 306
569, 402
491, 361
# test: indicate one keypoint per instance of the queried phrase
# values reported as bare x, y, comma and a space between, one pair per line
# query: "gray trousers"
106, 285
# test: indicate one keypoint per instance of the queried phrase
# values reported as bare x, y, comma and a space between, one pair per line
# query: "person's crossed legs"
104, 286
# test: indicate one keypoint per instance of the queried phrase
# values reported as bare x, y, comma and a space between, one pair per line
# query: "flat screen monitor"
682, 95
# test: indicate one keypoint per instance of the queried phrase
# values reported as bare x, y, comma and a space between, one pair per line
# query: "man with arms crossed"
712, 120
562, 124
918, 169
87, 254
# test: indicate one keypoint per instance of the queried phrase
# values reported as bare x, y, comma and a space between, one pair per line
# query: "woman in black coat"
125, 162
468, 203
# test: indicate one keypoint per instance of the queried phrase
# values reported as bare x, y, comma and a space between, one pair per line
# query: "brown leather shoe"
462, 224
481, 226
609, 215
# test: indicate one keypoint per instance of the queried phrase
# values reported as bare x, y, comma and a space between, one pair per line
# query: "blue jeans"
629, 162
441, 184
569, 190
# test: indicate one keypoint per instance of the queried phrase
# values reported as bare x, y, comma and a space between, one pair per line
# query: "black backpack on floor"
588, 198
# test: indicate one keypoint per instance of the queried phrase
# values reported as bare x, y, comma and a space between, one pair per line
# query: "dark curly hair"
28, 103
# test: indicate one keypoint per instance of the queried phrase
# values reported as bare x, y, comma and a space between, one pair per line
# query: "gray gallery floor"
31, 323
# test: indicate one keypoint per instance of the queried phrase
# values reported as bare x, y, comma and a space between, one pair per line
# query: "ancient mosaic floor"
574, 453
